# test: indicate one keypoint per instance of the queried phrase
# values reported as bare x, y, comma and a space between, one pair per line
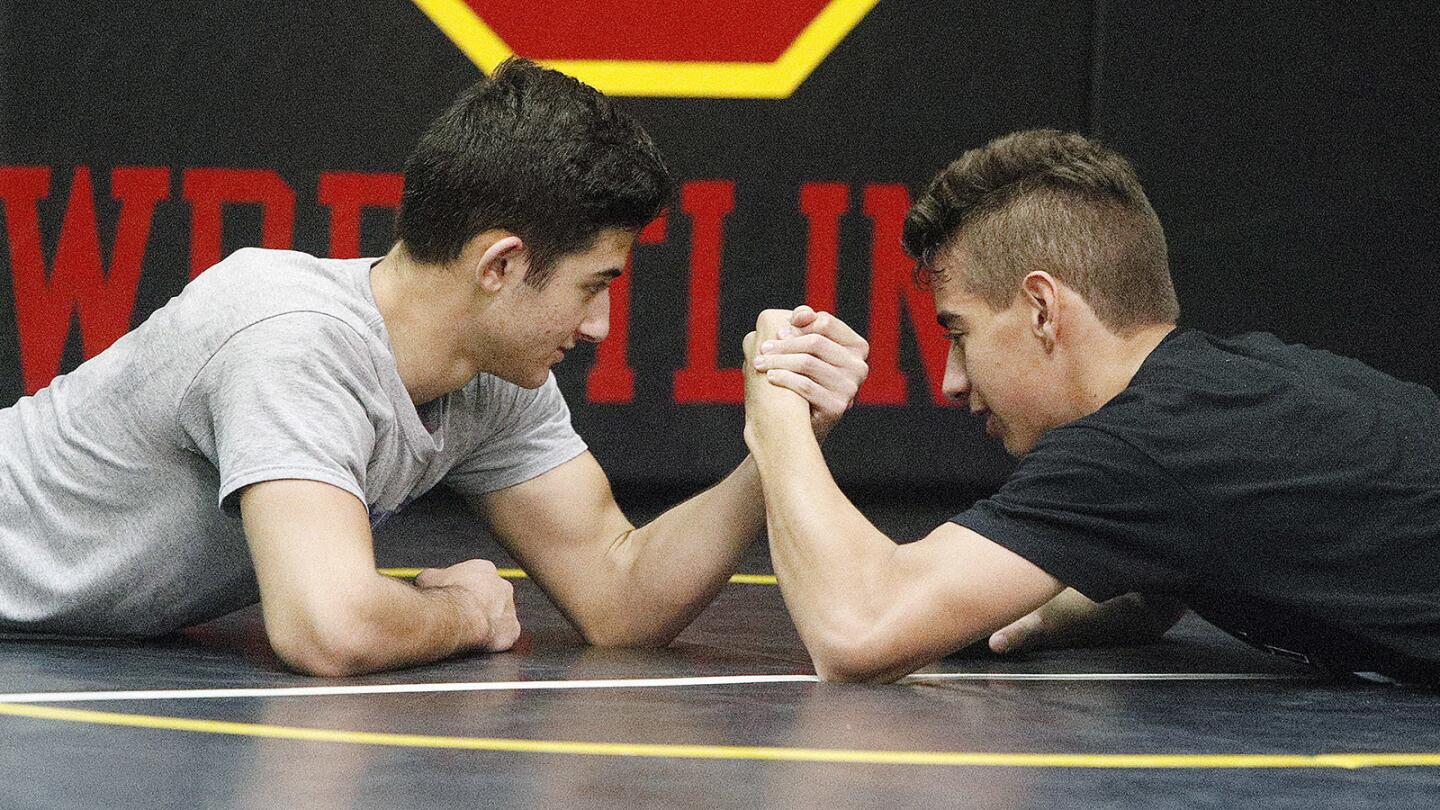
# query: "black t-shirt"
1288, 495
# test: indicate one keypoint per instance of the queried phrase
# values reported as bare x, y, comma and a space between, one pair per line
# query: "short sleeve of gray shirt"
291, 396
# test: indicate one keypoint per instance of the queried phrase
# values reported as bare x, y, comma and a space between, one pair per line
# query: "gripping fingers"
819, 397
819, 345
809, 322
817, 369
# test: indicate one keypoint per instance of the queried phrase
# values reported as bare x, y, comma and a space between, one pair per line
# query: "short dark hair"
1054, 201
536, 152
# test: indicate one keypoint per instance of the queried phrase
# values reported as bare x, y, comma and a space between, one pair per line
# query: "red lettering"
208, 190
46, 303
822, 204
702, 380
346, 193
890, 283
611, 380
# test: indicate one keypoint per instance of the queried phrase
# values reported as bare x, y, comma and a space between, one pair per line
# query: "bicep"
307, 540
558, 525
952, 588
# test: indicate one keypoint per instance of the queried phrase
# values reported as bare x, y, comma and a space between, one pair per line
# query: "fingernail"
767, 346
1000, 643
759, 362
787, 331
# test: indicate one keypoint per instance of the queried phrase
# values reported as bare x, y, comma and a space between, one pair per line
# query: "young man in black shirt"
1288, 495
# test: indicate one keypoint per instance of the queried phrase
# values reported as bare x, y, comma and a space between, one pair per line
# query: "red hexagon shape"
656, 31
716, 48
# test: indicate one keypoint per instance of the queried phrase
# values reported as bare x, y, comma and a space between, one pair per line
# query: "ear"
505, 259
1041, 293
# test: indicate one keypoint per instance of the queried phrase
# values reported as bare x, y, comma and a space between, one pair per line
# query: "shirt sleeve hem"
478, 483
238, 481
1044, 555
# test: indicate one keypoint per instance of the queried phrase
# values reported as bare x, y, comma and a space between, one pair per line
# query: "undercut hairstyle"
535, 152
1052, 201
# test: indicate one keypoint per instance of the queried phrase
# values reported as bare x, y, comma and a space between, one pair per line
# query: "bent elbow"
857, 658
623, 635
850, 670
309, 650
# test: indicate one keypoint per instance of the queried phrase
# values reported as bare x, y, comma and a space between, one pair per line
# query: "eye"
957, 338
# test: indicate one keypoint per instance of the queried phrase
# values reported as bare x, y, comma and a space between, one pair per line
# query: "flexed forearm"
830, 560
675, 564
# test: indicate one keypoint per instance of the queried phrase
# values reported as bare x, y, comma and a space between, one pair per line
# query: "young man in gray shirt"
244, 440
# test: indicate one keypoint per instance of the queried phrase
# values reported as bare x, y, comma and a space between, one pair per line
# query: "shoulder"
1255, 379
291, 349
255, 283
255, 292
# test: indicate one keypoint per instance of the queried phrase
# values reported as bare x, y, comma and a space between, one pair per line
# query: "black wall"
1287, 147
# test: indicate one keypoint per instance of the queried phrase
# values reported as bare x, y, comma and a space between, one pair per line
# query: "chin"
1015, 445
531, 379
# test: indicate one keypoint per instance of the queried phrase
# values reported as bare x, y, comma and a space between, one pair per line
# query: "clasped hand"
802, 357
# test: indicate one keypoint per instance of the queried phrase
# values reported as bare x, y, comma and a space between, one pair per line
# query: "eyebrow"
950, 320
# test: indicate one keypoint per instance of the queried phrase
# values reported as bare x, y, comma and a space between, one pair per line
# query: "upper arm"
312, 551
560, 526
942, 593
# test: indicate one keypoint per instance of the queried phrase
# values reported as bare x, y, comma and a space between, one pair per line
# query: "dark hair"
1053, 201
532, 151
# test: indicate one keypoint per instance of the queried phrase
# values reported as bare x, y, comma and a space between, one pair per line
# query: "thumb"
1021, 634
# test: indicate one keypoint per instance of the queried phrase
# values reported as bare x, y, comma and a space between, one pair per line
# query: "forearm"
671, 568
832, 563
376, 624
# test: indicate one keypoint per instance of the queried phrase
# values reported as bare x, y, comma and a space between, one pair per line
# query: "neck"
419, 304
1110, 362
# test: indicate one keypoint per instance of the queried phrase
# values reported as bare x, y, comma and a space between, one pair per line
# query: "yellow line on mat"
728, 752
516, 573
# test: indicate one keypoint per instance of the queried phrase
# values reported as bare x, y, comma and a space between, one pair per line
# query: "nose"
956, 384
596, 324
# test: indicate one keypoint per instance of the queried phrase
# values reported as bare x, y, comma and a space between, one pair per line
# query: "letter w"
47, 302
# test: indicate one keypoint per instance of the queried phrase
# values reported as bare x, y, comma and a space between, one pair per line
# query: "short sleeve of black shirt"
1096, 513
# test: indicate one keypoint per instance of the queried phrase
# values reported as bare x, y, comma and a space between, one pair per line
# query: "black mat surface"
987, 737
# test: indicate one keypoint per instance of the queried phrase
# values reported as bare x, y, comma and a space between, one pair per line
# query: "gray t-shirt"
119, 482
